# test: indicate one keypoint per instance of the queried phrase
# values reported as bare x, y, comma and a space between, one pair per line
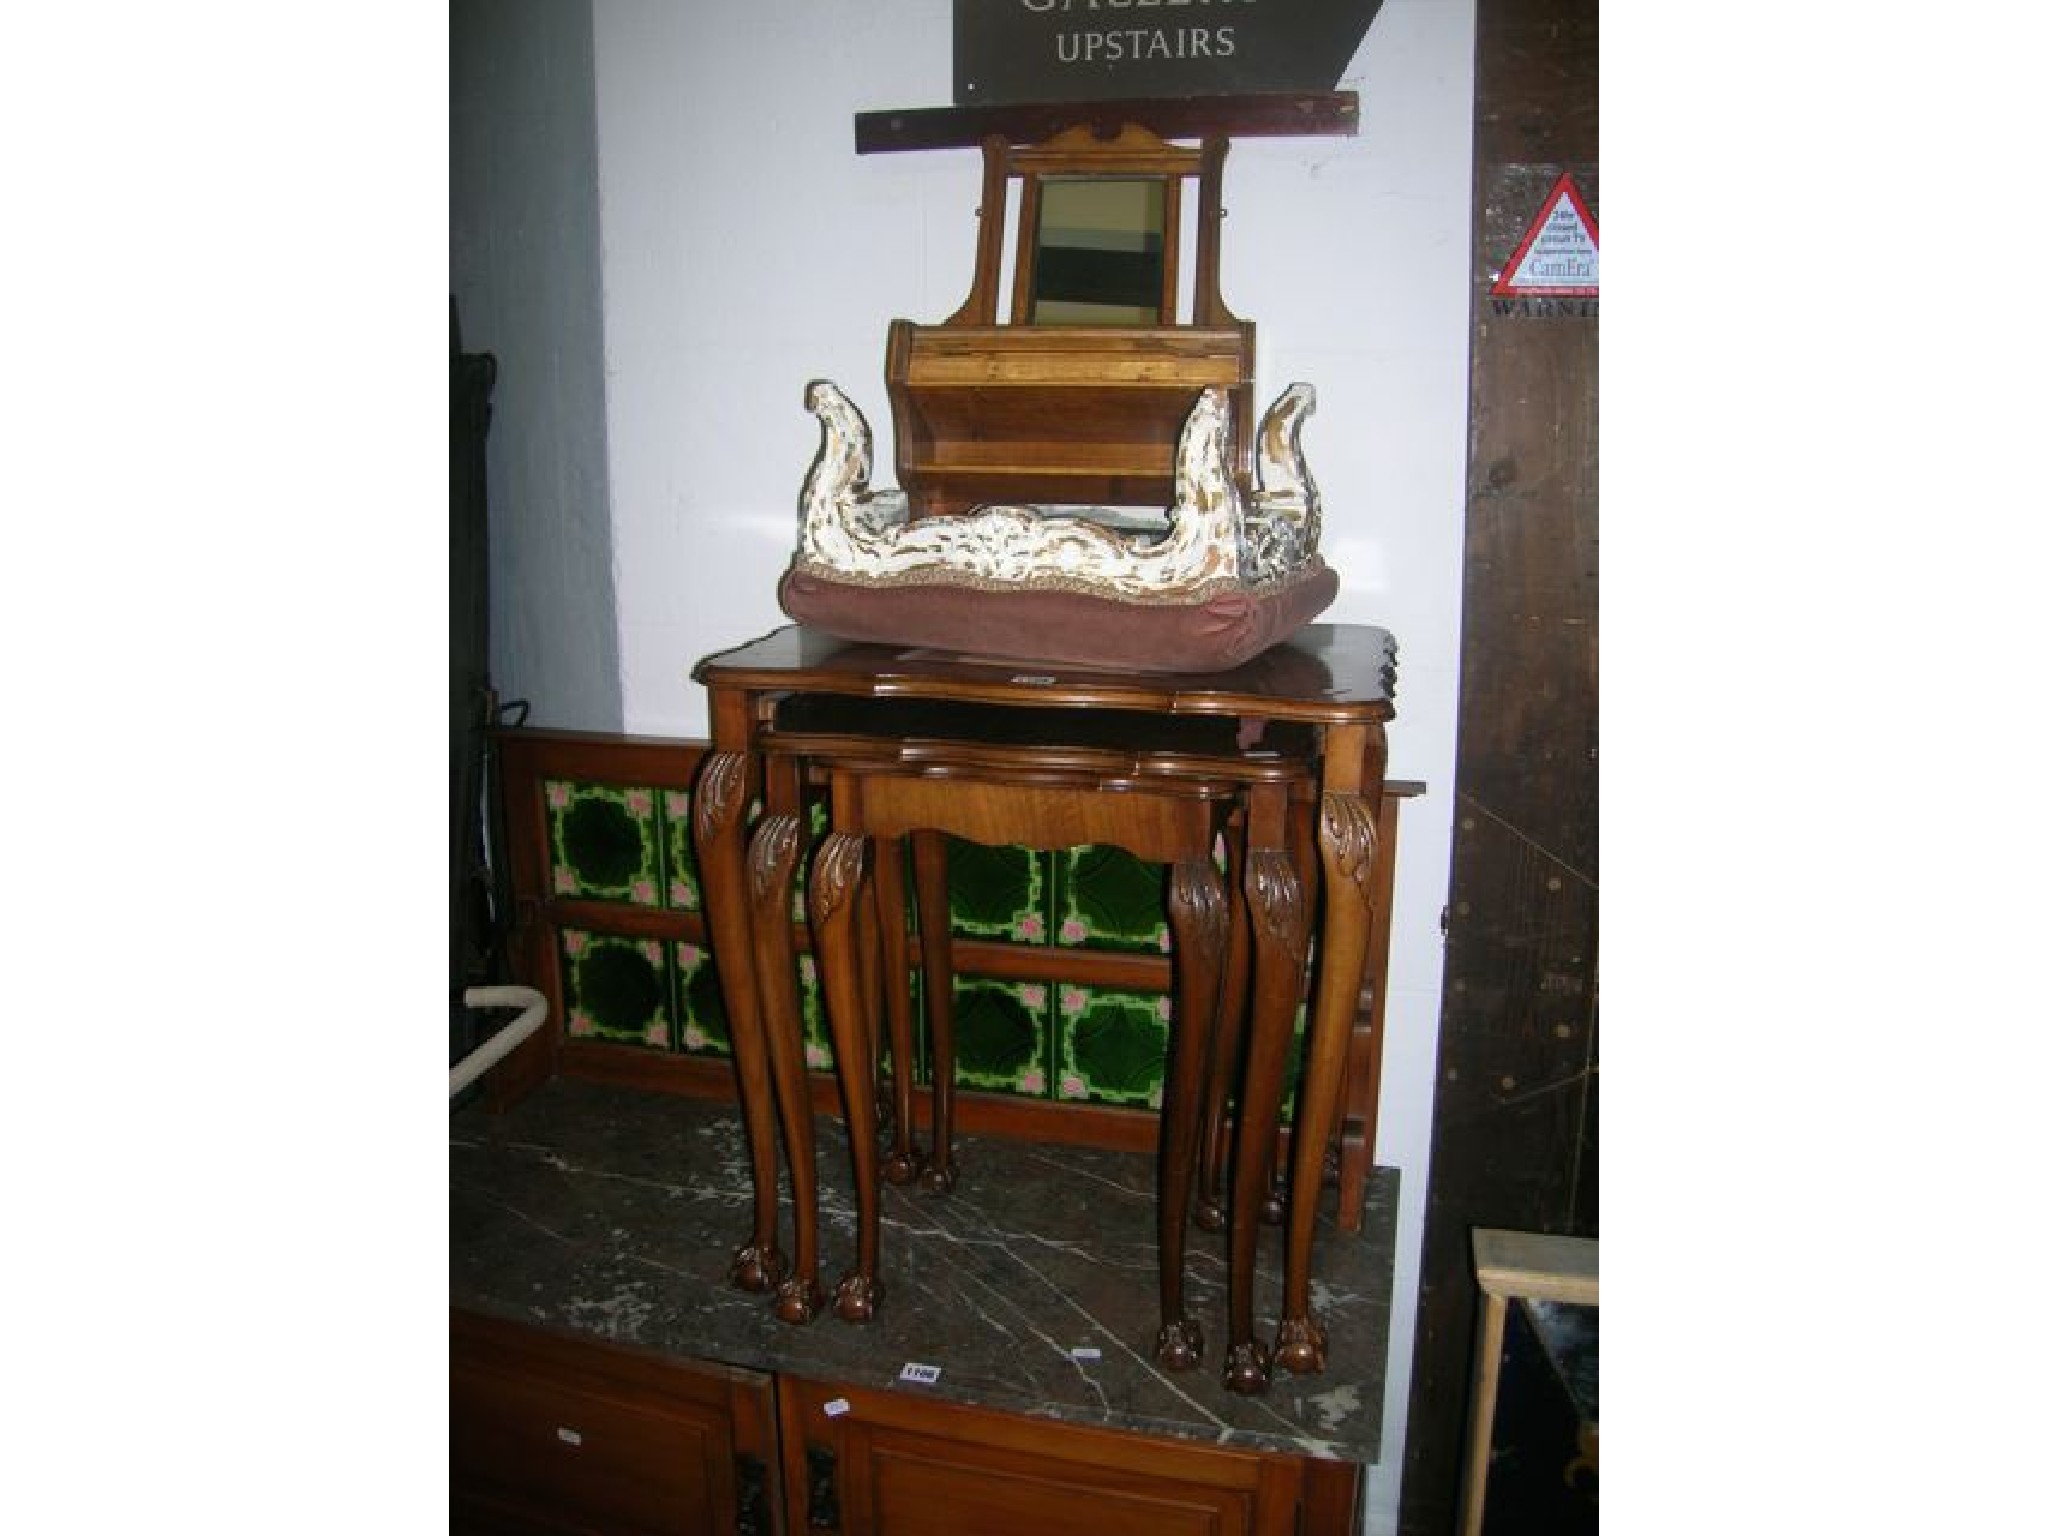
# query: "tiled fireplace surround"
1063, 958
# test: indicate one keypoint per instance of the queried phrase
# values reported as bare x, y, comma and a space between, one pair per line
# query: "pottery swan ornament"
1216, 537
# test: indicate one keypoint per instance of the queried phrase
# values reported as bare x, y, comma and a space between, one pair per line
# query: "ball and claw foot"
903, 1167
756, 1268
1301, 1346
857, 1298
1179, 1345
798, 1300
1209, 1215
939, 1180
1248, 1370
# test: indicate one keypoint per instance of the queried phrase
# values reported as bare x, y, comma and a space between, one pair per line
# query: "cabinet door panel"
919, 1491
891, 1464
558, 1435
582, 1457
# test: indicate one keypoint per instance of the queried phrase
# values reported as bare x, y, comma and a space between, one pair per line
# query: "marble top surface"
613, 1213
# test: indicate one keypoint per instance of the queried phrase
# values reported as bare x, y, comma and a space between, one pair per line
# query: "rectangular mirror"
1099, 251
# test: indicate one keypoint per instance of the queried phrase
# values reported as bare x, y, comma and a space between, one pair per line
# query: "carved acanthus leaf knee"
834, 876
721, 790
1350, 840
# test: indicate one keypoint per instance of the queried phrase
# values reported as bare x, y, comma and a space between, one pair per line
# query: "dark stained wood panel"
548, 1432
1514, 1138
1265, 114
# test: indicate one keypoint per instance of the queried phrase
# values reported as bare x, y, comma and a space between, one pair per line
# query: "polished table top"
1328, 673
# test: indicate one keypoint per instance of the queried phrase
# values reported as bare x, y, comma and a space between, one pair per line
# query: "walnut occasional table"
1334, 680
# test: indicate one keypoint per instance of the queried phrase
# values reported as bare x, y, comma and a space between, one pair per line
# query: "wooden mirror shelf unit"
1083, 413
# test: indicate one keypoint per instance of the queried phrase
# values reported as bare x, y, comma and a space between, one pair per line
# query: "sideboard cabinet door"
867, 1463
548, 1434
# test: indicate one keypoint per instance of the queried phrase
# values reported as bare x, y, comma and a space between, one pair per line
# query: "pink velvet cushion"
1211, 634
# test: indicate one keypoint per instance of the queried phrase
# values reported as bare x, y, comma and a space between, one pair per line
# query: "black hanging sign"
1011, 51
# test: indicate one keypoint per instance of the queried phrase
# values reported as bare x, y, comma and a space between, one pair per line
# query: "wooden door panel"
866, 1463
554, 1434
939, 1488
585, 1459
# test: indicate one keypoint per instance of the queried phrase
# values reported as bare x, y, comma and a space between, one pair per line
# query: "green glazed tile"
920, 1044
997, 893
920, 1032
1105, 898
817, 821
1001, 1035
604, 842
817, 1028
700, 1004
616, 989
705, 1031
1112, 1046
1295, 1063
685, 889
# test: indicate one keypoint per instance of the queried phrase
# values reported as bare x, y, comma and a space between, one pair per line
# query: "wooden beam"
1514, 1138
1267, 115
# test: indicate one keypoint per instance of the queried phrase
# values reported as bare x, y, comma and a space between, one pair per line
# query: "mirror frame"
1082, 151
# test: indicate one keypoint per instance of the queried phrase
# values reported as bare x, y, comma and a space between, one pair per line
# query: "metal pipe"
534, 1012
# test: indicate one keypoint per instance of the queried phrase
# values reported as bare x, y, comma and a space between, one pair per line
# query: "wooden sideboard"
551, 1433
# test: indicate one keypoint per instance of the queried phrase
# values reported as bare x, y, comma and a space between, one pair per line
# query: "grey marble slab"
613, 1212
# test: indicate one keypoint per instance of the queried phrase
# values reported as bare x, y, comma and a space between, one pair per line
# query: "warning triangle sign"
1560, 255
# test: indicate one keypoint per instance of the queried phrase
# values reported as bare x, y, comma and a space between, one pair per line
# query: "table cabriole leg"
835, 897
717, 831
1210, 1207
935, 936
772, 864
904, 1162
1200, 917
1279, 946
1347, 839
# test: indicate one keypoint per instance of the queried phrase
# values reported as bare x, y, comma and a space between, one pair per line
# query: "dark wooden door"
1514, 1139
866, 1463
548, 1434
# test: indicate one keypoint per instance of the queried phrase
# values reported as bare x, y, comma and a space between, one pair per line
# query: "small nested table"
1302, 725
1159, 787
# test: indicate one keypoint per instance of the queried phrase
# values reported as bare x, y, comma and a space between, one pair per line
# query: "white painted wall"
747, 250
524, 272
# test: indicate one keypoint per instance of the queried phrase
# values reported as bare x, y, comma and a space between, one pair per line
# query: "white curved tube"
506, 1040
